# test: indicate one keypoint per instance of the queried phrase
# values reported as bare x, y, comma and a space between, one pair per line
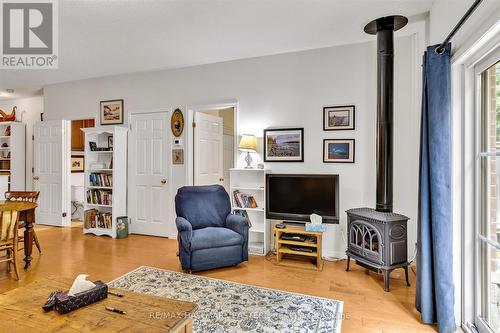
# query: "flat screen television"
293, 198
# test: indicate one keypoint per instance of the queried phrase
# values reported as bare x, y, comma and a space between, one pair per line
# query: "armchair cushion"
213, 237
203, 206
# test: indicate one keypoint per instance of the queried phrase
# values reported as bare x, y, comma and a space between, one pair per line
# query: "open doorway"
213, 145
77, 176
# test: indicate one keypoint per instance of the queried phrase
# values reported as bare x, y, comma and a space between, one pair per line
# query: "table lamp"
248, 143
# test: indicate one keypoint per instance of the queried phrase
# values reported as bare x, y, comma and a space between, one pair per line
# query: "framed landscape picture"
112, 112
338, 151
284, 145
338, 118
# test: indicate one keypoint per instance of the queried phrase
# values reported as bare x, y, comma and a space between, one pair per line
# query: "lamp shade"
248, 142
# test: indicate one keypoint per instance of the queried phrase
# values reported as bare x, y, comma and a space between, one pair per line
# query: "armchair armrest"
184, 236
241, 225
183, 225
237, 223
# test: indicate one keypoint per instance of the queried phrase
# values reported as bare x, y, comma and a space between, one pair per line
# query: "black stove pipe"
384, 28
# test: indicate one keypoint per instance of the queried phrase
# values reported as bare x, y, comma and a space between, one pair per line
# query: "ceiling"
109, 37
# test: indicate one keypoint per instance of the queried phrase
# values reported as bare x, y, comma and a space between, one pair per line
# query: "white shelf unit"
252, 182
13, 154
118, 171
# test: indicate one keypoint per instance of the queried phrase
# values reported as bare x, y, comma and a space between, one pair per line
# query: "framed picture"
112, 112
77, 163
338, 151
338, 118
284, 145
177, 123
178, 156
110, 142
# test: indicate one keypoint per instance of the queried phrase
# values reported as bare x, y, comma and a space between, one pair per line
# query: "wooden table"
21, 311
26, 211
298, 258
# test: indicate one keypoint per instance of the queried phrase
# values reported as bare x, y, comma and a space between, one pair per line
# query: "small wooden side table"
293, 258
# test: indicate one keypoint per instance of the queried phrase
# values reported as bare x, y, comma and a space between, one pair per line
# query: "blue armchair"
209, 235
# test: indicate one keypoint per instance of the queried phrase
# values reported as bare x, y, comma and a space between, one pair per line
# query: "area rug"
225, 306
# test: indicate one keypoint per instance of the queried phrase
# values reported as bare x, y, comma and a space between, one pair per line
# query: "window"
488, 226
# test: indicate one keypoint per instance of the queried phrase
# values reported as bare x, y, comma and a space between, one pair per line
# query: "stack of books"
99, 197
101, 179
244, 200
95, 219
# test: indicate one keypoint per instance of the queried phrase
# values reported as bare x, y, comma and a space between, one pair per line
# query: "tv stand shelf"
285, 256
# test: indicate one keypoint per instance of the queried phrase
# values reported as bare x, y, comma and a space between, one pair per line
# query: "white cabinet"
105, 179
246, 184
13, 155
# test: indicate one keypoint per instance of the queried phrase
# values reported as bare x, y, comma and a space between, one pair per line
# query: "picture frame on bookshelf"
110, 142
337, 118
77, 164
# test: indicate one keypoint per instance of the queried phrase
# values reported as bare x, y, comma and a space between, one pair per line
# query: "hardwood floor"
367, 308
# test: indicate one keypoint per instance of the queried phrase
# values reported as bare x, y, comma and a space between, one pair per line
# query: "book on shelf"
101, 179
96, 219
99, 197
244, 200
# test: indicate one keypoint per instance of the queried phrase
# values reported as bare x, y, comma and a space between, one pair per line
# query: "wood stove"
377, 238
377, 241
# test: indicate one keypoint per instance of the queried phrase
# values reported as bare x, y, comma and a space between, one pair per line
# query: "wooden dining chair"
31, 196
9, 220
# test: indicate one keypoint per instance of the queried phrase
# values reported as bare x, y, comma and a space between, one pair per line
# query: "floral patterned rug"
225, 306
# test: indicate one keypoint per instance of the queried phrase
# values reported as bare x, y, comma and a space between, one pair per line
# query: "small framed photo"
110, 142
77, 164
284, 145
177, 156
338, 117
338, 151
112, 112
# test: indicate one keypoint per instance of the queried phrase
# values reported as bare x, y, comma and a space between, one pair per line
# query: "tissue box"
315, 227
65, 303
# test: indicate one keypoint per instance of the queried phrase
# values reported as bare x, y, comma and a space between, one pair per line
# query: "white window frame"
466, 117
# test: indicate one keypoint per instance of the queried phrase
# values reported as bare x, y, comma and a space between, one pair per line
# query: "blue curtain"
435, 291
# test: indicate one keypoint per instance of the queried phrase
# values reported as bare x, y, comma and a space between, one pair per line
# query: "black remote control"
51, 301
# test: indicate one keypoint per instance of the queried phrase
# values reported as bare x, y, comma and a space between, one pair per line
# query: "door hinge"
33, 138
130, 126
64, 214
32, 170
194, 124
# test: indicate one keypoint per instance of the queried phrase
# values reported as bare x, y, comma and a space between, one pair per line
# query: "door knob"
163, 181
36, 177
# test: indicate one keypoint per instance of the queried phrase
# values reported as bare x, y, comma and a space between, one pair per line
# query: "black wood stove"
377, 238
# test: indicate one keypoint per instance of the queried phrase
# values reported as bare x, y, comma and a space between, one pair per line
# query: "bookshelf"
13, 154
105, 179
251, 183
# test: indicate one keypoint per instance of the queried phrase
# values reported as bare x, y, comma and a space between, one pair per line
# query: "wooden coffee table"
21, 311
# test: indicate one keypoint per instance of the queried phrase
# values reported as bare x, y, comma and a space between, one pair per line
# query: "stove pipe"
384, 28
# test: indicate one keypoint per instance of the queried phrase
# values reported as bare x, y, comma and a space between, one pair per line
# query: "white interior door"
208, 150
149, 161
50, 169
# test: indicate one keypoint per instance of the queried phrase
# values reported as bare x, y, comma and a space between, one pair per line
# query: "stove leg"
407, 277
386, 280
348, 262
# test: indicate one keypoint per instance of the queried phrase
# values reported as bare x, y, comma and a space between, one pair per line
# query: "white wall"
28, 111
280, 91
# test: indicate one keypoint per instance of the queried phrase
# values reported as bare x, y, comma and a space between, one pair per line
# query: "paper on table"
80, 285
